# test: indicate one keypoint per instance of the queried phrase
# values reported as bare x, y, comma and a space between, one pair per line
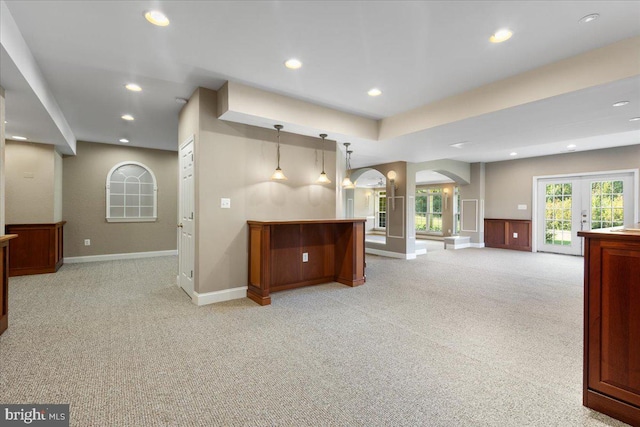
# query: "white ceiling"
416, 52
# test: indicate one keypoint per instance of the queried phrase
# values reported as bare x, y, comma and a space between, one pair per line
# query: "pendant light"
323, 178
346, 182
278, 175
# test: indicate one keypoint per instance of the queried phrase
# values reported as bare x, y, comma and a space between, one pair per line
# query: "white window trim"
155, 195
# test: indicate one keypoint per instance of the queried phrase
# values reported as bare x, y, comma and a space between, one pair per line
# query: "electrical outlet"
305, 257
87, 242
225, 203
515, 235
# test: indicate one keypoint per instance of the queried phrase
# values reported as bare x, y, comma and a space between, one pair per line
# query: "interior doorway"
186, 225
568, 204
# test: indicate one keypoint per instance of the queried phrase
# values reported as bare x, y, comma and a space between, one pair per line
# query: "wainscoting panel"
508, 234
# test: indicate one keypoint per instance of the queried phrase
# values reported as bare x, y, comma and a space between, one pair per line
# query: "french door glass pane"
557, 214
607, 204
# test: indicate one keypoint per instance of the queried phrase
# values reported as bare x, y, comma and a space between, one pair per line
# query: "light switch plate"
225, 203
522, 207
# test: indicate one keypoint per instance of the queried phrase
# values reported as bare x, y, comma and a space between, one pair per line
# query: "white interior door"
567, 205
186, 226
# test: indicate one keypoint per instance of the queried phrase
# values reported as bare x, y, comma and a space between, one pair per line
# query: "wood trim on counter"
4, 277
334, 249
38, 249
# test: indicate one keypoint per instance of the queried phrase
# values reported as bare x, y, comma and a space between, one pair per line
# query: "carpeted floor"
473, 337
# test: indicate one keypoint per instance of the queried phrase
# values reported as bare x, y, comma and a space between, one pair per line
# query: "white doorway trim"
534, 193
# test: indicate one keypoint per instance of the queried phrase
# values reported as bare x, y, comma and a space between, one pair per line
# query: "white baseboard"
477, 245
111, 257
421, 251
219, 296
389, 254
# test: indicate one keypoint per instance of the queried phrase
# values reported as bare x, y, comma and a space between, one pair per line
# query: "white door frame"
534, 198
190, 140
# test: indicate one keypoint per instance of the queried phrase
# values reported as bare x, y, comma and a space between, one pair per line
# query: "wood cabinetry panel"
494, 233
612, 324
335, 251
615, 301
285, 248
317, 243
38, 248
499, 233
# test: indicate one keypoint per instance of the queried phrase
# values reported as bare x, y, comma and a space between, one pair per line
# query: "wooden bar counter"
290, 254
612, 323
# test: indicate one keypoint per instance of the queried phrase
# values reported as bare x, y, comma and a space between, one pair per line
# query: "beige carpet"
473, 337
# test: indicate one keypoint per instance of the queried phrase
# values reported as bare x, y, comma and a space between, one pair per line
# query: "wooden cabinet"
38, 249
4, 276
612, 324
508, 234
291, 254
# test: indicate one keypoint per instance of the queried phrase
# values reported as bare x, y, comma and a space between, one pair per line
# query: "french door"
567, 205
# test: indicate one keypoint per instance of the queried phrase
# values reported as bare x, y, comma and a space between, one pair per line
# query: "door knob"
180, 225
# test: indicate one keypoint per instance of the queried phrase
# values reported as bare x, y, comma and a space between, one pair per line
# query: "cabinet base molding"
612, 407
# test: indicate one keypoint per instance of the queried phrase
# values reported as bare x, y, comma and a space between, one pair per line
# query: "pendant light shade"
323, 178
346, 182
278, 175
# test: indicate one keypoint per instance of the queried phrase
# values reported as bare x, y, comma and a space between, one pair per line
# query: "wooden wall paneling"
498, 233
494, 233
523, 241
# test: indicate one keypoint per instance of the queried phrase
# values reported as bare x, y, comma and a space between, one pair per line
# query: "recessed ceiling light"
374, 92
133, 87
459, 144
513, 153
124, 140
293, 64
589, 18
620, 103
128, 117
571, 147
19, 138
501, 35
157, 18
181, 101
635, 119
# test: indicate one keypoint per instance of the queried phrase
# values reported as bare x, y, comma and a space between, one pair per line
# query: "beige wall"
510, 183
29, 175
475, 190
84, 203
235, 161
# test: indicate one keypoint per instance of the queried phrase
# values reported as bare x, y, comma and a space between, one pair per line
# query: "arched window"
131, 193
